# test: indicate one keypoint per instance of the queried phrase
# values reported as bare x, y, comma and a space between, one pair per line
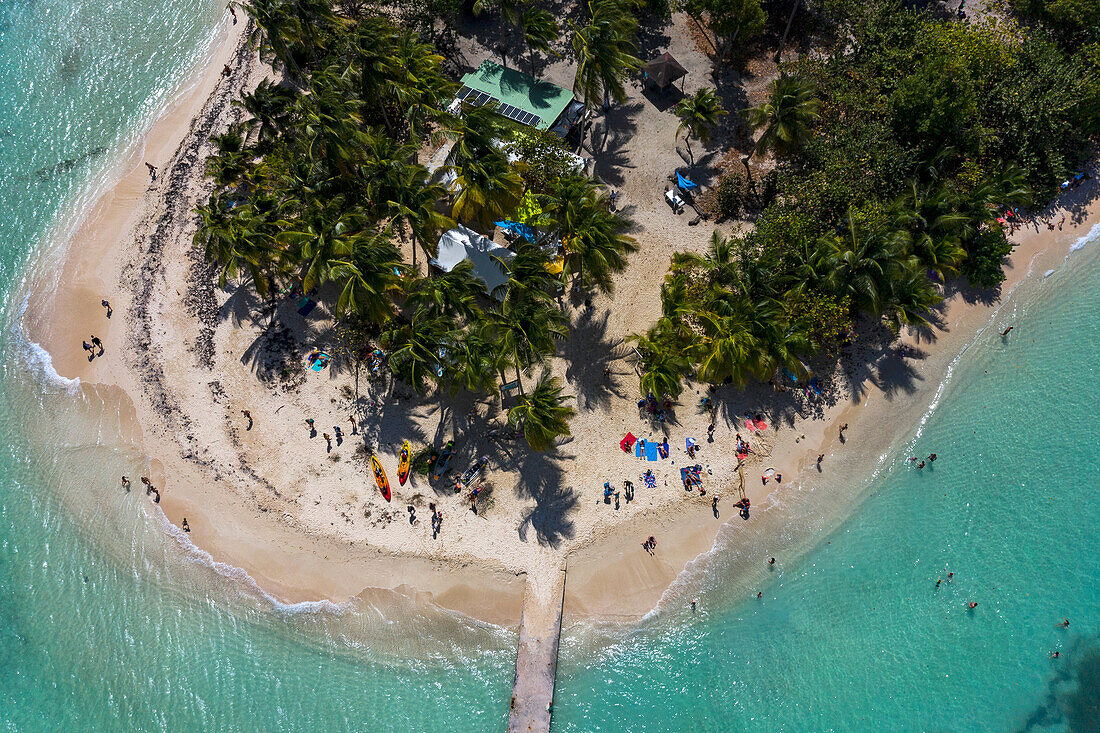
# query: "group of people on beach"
610, 492
90, 348
150, 490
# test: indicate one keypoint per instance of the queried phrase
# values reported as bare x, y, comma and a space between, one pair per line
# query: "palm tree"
930, 227
451, 294
727, 349
664, 366
539, 31
332, 123
528, 274
277, 32
318, 240
369, 264
414, 205
862, 264
488, 190
785, 117
698, 114
543, 414
415, 348
912, 296
271, 107
605, 52
233, 159
526, 328
472, 363
592, 235
233, 239
417, 83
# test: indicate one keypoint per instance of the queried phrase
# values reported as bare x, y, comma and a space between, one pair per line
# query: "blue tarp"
651, 453
521, 229
684, 183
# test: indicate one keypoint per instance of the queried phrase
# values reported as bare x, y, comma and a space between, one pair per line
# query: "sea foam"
37, 359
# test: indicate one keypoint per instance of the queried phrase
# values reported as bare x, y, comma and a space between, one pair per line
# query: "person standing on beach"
328, 441
88, 348
312, 430
1005, 332
126, 483
820, 458
185, 526
106, 304
152, 171
353, 425
233, 13
247, 416
98, 344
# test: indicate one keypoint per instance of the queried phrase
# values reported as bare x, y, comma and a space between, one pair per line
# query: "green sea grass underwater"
109, 622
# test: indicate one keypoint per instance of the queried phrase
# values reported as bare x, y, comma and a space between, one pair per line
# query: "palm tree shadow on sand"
542, 480
589, 351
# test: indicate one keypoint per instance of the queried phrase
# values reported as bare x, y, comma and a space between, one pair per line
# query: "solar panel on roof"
464, 92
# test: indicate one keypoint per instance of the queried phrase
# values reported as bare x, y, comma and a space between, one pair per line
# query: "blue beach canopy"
521, 229
684, 183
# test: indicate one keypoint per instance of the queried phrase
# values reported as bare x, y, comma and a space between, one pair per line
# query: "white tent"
461, 243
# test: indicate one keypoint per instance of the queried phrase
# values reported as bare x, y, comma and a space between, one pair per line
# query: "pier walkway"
537, 655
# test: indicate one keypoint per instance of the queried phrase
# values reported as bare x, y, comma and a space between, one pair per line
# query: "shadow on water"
1073, 699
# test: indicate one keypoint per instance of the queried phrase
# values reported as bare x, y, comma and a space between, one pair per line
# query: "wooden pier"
537, 655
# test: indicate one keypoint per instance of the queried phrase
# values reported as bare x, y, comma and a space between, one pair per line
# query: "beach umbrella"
685, 184
517, 228
664, 70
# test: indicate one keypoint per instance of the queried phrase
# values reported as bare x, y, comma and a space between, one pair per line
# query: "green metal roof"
521, 91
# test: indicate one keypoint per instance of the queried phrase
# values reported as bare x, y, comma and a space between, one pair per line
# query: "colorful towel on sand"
662, 449
688, 443
627, 442
306, 306
650, 481
651, 453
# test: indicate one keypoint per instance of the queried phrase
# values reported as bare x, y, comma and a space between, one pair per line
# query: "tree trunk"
703, 30
783, 40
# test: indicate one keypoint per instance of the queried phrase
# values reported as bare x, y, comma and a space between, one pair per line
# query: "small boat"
403, 462
443, 460
471, 473
380, 477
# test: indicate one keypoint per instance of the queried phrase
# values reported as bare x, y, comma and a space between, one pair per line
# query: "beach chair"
674, 201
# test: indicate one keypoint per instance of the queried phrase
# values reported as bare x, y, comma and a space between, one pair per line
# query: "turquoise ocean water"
109, 622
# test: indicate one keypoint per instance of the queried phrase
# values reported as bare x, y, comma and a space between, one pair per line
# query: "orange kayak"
403, 463
380, 477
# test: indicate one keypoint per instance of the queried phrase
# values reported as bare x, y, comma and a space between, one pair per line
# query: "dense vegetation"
317, 190
896, 145
896, 151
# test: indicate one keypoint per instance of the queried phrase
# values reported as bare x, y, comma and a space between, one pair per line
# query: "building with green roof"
521, 97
